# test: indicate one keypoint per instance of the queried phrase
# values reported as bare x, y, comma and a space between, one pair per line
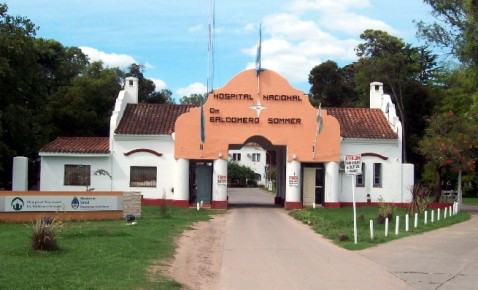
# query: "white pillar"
181, 182
219, 189
332, 182
20, 174
292, 189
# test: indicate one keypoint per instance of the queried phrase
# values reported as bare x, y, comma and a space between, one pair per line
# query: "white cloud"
160, 84
295, 46
194, 88
109, 59
196, 28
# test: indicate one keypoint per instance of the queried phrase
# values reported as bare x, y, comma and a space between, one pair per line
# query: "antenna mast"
210, 48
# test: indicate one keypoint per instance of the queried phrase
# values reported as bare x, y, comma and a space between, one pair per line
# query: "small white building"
156, 149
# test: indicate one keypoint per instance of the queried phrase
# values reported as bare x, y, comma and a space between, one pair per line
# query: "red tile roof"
150, 119
85, 145
362, 123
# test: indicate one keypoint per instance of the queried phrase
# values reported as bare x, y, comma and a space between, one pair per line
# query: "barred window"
256, 157
142, 176
360, 178
377, 175
236, 156
77, 175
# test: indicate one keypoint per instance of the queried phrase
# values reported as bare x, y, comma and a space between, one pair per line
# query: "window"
141, 176
256, 157
236, 156
377, 175
360, 178
76, 175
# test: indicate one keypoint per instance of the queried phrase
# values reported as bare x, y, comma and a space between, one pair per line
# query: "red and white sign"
294, 180
353, 164
222, 180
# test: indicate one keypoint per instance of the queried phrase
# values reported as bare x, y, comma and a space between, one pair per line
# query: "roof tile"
362, 123
84, 145
150, 119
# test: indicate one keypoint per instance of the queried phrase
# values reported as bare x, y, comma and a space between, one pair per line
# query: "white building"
156, 148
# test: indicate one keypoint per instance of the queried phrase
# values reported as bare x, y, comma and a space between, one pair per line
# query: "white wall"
246, 160
391, 189
165, 164
53, 168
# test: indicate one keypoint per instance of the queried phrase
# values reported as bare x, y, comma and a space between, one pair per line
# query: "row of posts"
447, 212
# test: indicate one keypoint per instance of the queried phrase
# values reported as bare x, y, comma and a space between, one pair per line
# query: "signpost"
353, 166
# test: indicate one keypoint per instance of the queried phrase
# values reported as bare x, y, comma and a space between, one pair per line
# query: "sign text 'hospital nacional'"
215, 113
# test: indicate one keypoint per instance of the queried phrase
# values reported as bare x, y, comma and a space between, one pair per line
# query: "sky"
170, 38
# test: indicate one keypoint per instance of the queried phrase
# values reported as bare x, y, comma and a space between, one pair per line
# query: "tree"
22, 97
193, 99
331, 85
449, 143
84, 108
399, 66
240, 173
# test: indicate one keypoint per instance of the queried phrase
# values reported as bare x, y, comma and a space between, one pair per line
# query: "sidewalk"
443, 259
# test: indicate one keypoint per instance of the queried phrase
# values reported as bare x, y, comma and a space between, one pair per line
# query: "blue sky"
170, 37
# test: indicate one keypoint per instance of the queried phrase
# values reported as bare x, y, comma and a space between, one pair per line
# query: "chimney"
131, 90
376, 93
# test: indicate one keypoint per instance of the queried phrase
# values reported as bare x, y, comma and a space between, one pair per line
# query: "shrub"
44, 234
419, 202
385, 210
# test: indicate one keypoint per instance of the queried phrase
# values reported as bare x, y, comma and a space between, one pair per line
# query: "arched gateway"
248, 108
178, 153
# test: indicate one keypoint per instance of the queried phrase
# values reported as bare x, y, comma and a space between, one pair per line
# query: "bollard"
450, 211
444, 213
433, 216
415, 222
407, 222
426, 217
371, 229
313, 205
386, 227
438, 214
397, 224
197, 206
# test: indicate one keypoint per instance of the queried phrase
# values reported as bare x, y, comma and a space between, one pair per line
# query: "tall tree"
449, 143
331, 85
398, 65
84, 108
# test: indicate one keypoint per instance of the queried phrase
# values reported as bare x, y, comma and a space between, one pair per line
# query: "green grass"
95, 254
470, 200
332, 222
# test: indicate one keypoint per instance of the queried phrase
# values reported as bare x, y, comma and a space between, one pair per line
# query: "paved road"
264, 248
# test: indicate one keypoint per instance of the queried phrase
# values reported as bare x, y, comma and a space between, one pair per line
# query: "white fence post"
426, 217
371, 229
386, 227
415, 222
397, 224
407, 222
438, 214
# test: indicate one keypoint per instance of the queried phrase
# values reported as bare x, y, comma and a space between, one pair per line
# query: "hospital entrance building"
179, 153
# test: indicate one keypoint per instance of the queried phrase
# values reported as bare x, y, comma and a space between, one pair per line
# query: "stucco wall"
52, 172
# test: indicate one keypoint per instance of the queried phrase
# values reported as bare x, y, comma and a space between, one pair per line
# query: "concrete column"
219, 187
20, 174
332, 184
293, 180
181, 183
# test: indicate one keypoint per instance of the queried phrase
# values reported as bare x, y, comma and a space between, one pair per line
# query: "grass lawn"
470, 200
95, 254
334, 222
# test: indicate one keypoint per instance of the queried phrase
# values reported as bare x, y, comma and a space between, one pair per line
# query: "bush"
385, 210
44, 234
420, 201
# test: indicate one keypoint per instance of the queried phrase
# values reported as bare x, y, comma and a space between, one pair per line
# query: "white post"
433, 215
202, 203
313, 205
438, 214
20, 174
444, 213
386, 227
415, 222
371, 229
450, 211
407, 222
197, 206
355, 208
426, 216
397, 224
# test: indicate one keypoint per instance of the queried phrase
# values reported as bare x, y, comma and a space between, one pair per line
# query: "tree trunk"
437, 186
